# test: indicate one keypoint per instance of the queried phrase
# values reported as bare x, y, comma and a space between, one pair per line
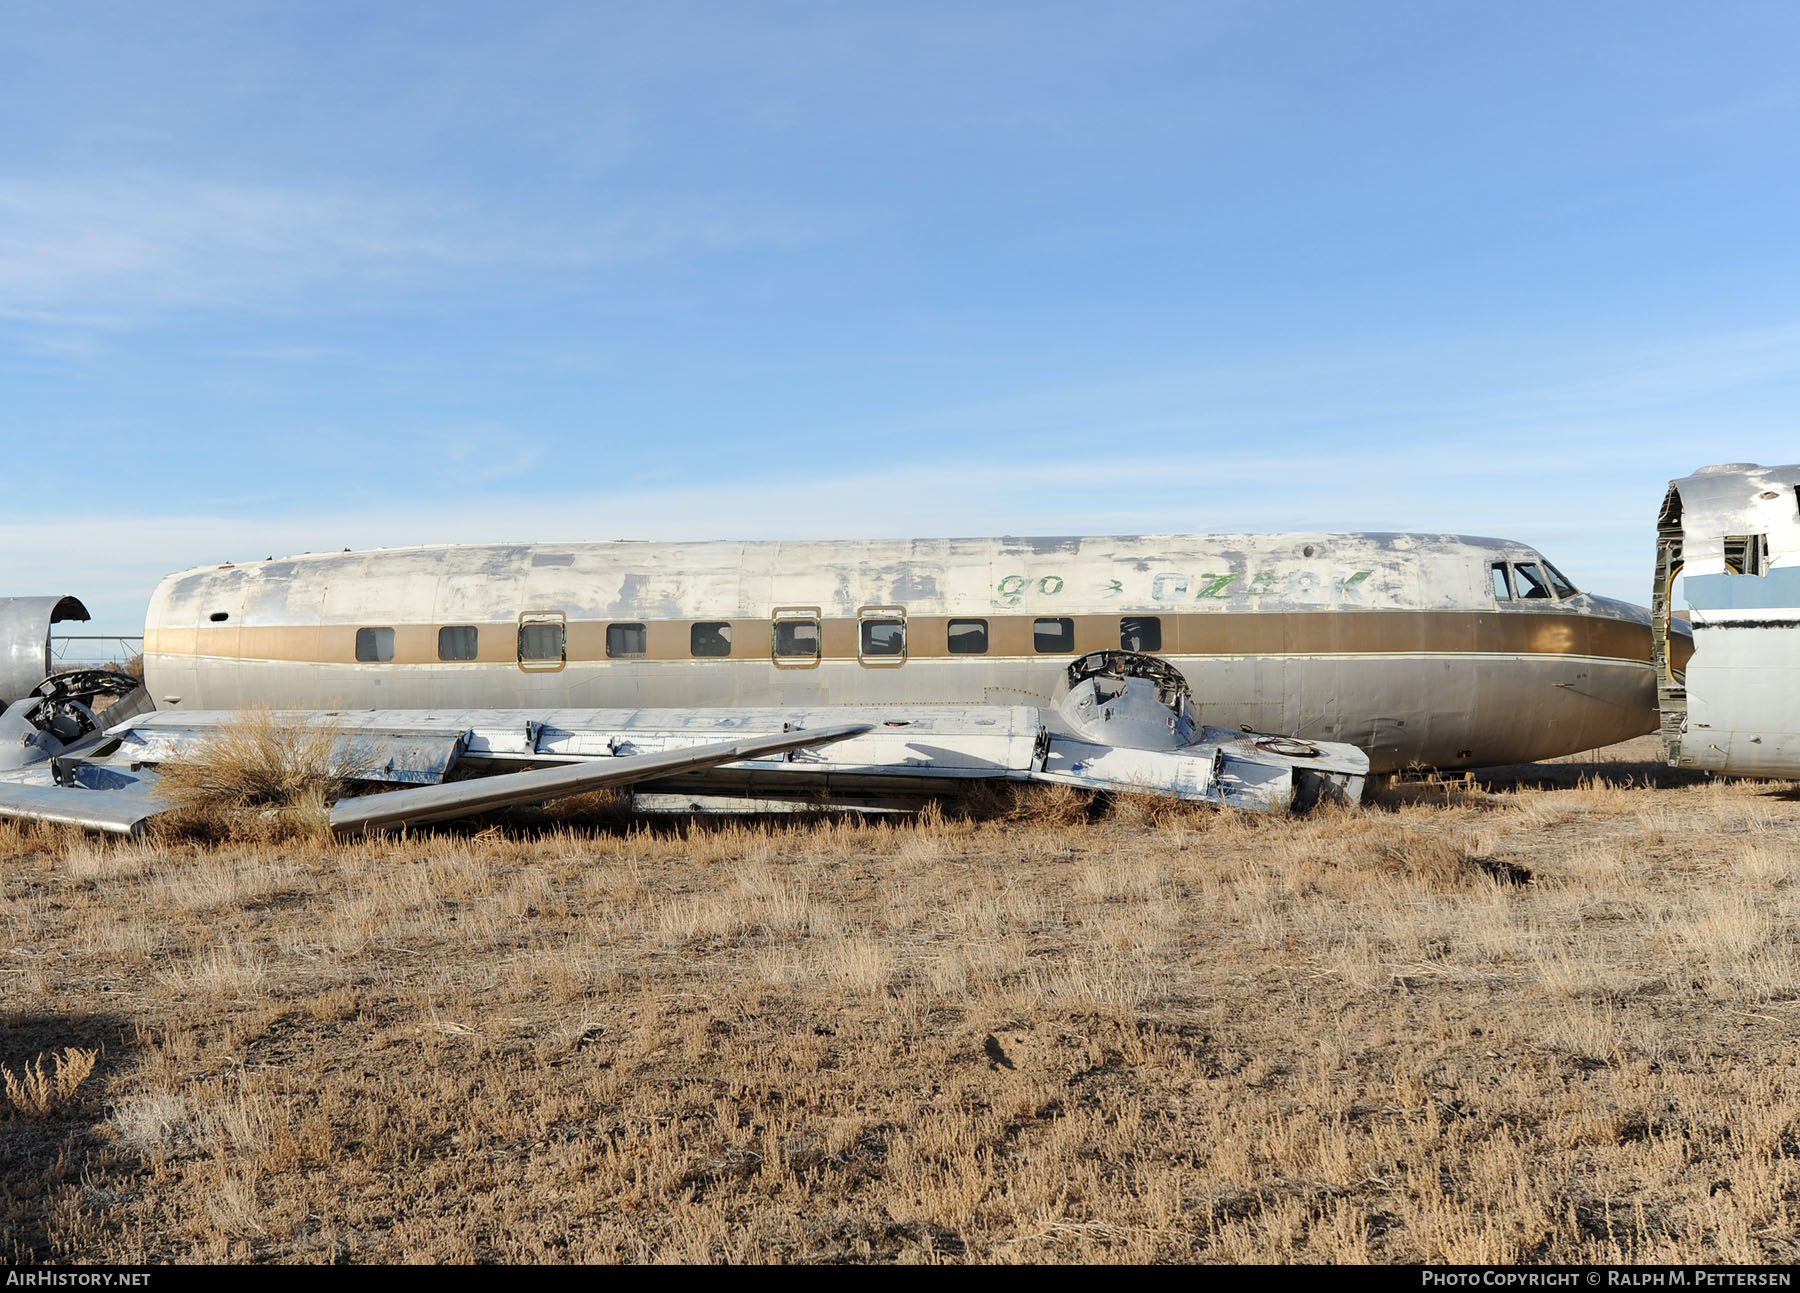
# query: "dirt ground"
1547, 1015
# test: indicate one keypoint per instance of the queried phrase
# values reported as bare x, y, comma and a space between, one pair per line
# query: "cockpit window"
1502, 589
1530, 581
1559, 582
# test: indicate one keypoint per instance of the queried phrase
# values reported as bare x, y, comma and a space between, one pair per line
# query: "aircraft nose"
1626, 681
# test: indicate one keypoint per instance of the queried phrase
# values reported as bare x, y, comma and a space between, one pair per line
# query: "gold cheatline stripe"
1264, 633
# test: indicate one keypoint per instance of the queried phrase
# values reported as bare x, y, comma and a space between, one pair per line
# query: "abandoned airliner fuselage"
872, 674
1419, 649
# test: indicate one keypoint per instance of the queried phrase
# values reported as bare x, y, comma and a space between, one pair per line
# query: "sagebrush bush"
264, 775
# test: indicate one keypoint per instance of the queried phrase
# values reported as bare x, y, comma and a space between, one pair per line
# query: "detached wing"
451, 763
109, 783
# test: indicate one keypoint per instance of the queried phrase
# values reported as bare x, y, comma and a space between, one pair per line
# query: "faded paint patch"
911, 584
630, 600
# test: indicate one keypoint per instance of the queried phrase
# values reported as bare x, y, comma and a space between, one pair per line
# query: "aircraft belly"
1460, 710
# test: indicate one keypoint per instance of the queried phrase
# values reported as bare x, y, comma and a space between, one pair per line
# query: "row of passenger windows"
794, 639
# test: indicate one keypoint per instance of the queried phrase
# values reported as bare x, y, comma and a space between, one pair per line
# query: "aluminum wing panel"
950, 741
93, 798
404, 753
459, 799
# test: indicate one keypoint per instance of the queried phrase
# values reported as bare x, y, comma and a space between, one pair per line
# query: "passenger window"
713, 638
1142, 634
1502, 589
883, 637
457, 642
1560, 582
1530, 582
374, 646
796, 637
1050, 637
625, 640
968, 637
542, 642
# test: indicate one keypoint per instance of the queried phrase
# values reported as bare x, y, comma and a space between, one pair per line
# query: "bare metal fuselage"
1391, 642
1731, 533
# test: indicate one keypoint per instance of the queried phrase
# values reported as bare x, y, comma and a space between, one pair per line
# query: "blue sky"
278, 277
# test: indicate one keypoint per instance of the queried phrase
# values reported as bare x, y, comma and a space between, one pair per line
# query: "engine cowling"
1124, 698
25, 624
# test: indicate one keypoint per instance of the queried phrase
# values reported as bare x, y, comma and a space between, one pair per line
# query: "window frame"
1559, 581
868, 615
533, 619
1036, 632
643, 637
796, 615
475, 638
1155, 620
376, 641
1751, 552
1543, 581
696, 626
987, 636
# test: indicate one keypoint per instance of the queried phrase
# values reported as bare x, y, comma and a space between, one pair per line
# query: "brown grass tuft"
38, 1092
1028, 801
264, 776
1159, 811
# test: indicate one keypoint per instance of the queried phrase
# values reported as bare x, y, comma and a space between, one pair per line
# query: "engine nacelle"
1124, 698
25, 624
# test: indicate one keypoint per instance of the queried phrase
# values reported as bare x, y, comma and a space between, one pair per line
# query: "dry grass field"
1135, 1033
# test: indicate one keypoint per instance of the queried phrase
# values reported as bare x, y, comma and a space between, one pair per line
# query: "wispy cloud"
1664, 373
116, 250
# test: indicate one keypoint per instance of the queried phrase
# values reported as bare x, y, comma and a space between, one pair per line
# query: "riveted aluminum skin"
1731, 533
25, 640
